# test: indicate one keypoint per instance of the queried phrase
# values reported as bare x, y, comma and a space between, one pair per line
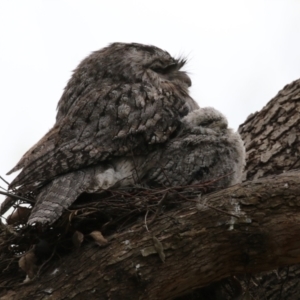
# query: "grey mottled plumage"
126, 117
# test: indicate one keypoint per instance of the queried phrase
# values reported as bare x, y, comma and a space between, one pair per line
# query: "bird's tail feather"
57, 196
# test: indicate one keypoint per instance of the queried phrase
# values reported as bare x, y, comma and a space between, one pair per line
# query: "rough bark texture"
272, 141
245, 229
272, 135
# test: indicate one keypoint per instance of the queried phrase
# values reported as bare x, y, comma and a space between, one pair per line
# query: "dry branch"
247, 228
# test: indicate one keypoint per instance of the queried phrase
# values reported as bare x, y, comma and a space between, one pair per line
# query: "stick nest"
91, 217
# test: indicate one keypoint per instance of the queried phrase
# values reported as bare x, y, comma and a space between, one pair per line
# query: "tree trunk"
272, 141
272, 135
245, 229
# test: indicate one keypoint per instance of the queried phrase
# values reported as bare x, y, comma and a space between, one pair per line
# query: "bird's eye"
168, 69
206, 122
158, 70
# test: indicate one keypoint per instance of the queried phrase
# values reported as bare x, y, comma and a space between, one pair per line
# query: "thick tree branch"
247, 228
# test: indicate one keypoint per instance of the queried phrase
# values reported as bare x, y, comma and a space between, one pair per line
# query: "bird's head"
133, 62
204, 120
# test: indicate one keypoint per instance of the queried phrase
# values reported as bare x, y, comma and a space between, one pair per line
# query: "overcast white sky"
240, 54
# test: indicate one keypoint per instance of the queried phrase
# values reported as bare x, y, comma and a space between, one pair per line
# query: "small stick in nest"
159, 207
4, 180
17, 197
146, 220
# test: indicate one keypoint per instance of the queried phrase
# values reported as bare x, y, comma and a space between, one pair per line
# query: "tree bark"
245, 229
272, 135
272, 141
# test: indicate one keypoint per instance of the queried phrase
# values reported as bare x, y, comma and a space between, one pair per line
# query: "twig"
159, 206
146, 220
4, 180
17, 197
45, 262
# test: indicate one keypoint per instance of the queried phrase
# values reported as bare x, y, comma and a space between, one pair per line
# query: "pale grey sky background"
240, 53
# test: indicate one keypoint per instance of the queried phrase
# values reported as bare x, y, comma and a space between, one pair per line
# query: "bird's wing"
109, 121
